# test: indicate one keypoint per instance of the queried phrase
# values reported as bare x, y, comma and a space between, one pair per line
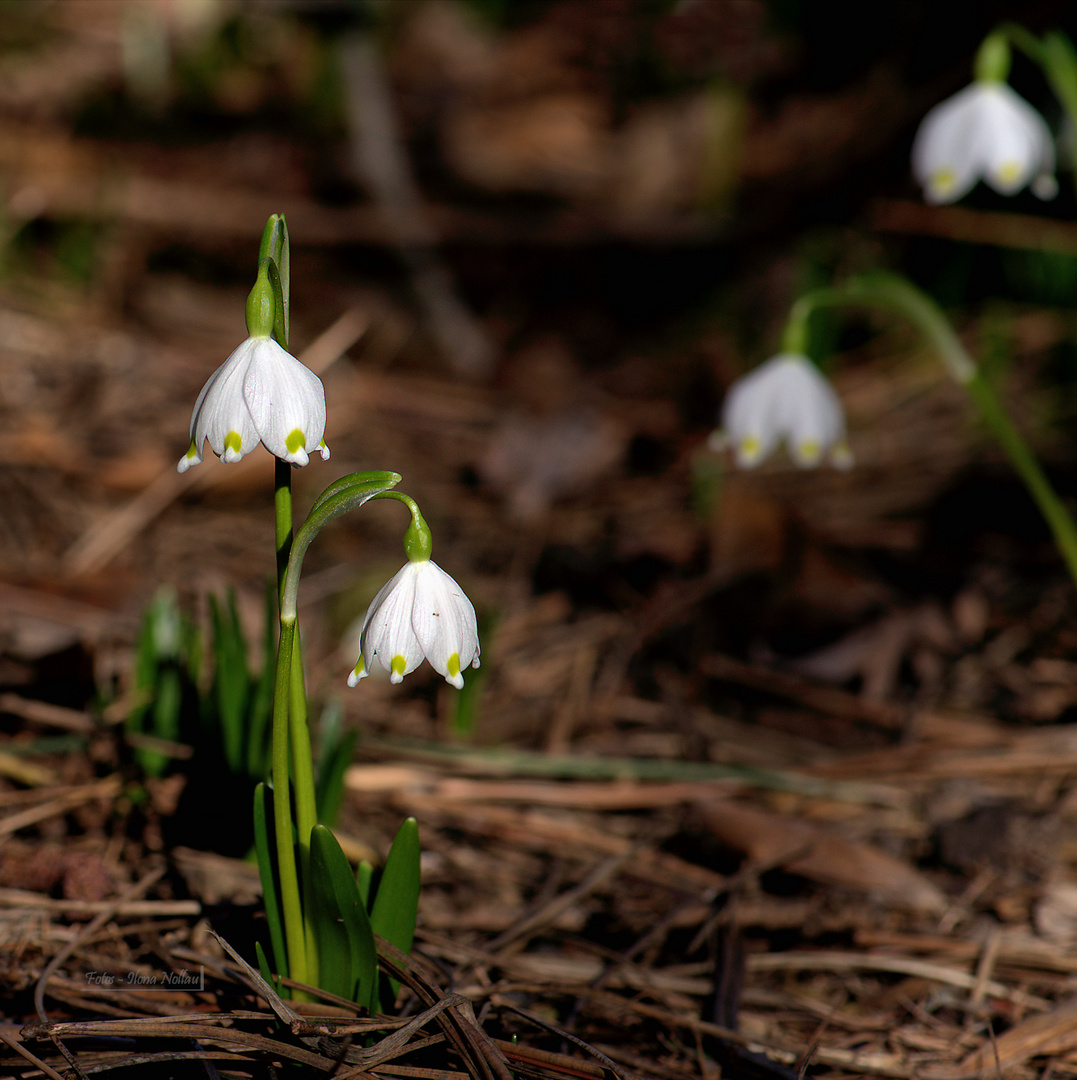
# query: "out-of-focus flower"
787, 398
421, 612
985, 132
261, 393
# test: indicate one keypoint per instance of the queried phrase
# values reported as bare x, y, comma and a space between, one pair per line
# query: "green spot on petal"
296, 441
1009, 172
944, 181
453, 665
398, 665
233, 441
192, 451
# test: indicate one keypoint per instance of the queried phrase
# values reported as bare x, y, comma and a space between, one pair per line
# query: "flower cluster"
786, 399
261, 393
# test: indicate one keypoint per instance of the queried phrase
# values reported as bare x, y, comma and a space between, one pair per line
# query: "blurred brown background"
533, 242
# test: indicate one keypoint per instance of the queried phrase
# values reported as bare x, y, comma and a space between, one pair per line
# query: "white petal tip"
455, 680
396, 677
1045, 186
717, 441
324, 451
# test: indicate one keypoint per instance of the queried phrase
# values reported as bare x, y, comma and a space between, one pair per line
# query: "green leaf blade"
347, 957
396, 902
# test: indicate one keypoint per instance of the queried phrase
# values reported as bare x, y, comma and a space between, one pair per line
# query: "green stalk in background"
894, 293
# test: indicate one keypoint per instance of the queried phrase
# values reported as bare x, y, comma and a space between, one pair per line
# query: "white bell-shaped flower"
261, 393
985, 132
421, 612
787, 398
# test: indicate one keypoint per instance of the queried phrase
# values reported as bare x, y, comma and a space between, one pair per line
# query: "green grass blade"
264, 846
165, 713
364, 875
261, 703
335, 759
264, 968
231, 679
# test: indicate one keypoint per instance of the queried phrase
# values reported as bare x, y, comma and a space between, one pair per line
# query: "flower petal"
946, 159
286, 402
1019, 144
387, 635
747, 415
787, 398
445, 624
221, 414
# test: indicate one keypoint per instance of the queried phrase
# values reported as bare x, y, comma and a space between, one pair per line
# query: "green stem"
294, 932
342, 495
897, 294
1056, 57
1025, 40
1028, 468
291, 733
282, 507
306, 813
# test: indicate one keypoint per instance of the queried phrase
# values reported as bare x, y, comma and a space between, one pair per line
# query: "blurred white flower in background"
985, 132
785, 399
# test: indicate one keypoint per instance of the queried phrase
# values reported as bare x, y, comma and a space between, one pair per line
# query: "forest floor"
764, 773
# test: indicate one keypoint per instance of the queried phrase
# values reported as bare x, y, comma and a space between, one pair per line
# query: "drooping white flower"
985, 132
421, 612
787, 398
261, 393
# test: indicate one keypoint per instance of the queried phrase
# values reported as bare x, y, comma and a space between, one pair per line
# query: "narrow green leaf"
264, 847
231, 681
264, 968
348, 959
261, 701
145, 654
335, 759
165, 717
332, 942
396, 902
377, 480
364, 875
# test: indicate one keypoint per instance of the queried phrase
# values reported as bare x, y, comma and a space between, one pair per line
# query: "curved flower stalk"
261, 393
893, 293
420, 613
785, 399
985, 132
